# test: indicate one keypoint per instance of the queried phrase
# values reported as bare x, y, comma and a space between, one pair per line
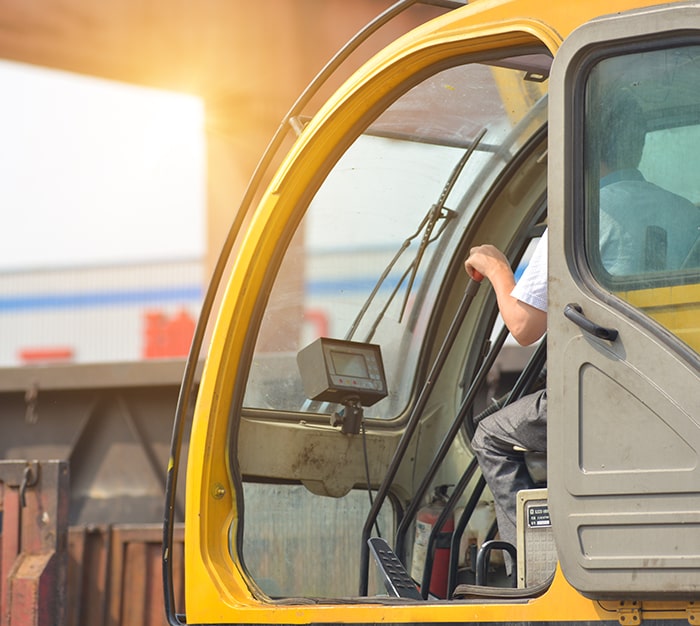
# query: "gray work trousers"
524, 424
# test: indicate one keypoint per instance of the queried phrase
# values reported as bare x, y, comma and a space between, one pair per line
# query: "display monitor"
334, 370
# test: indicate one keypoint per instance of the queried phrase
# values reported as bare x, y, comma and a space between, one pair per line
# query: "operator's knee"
489, 439
478, 441
486, 451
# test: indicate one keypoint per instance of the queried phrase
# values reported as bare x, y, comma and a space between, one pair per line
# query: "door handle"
574, 312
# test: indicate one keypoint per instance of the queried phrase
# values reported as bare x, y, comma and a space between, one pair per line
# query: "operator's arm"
525, 322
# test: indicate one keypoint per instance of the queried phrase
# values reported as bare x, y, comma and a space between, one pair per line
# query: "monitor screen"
349, 364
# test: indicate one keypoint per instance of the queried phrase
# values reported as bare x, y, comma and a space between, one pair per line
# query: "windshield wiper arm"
437, 211
447, 215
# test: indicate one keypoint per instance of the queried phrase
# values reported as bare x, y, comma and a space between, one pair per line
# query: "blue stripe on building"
52, 301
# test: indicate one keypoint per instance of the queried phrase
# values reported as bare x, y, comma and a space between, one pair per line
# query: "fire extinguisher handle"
396, 579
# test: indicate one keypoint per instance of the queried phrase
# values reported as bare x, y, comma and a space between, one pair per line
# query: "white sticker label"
420, 549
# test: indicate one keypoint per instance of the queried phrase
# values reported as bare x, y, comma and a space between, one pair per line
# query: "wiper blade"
437, 212
447, 215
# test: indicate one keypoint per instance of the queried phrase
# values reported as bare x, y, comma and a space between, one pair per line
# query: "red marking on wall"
46, 355
167, 336
319, 320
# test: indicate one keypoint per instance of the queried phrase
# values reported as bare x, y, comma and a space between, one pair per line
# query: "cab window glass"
385, 221
642, 128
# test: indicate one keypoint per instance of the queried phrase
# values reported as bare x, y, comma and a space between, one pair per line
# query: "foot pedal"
396, 579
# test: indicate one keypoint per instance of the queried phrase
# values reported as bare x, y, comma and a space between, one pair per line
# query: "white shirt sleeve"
532, 286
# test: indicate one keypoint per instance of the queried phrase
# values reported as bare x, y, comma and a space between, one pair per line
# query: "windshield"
386, 222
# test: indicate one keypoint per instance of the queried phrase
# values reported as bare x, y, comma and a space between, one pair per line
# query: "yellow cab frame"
622, 497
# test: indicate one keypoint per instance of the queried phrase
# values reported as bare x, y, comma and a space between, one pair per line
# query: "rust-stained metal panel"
88, 571
33, 555
112, 423
114, 575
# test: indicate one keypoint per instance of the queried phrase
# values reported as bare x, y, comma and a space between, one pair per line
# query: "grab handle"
574, 312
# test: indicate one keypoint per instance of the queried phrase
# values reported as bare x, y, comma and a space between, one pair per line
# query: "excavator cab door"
623, 339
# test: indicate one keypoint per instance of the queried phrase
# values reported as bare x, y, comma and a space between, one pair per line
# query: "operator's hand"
486, 261
526, 323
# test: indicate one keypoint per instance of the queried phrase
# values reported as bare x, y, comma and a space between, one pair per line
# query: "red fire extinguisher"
425, 520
